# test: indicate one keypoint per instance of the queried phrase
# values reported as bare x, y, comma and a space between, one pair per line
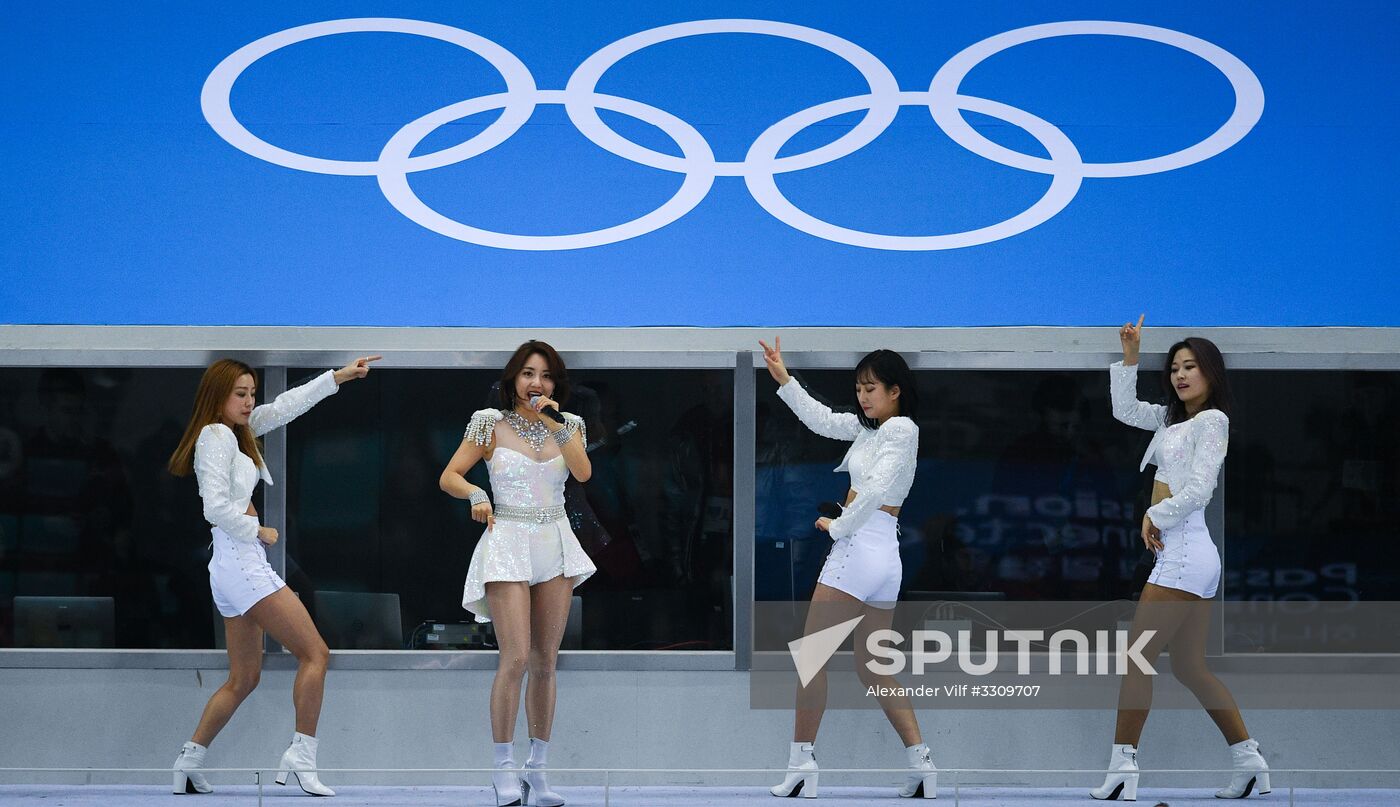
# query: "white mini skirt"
523, 552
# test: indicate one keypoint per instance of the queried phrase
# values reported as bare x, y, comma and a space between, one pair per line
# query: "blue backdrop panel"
700, 163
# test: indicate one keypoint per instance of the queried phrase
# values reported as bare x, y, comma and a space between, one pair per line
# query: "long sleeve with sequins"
817, 416
888, 476
214, 455
1122, 390
292, 404
1211, 437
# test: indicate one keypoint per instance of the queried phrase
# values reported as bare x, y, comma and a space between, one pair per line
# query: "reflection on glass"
366, 516
99, 545
1313, 487
1026, 488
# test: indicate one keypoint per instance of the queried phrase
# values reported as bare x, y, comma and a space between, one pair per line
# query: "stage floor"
360, 796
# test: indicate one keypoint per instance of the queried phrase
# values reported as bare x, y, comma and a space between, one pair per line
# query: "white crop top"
227, 476
1188, 455
881, 461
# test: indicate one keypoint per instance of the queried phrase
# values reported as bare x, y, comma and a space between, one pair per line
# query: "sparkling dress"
531, 541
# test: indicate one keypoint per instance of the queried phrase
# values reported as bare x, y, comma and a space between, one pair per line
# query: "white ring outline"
393, 176
1249, 97
214, 98
761, 163
1062, 190
584, 82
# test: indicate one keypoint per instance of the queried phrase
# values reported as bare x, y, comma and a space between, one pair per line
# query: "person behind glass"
862, 573
220, 445
528, 561
1191, 435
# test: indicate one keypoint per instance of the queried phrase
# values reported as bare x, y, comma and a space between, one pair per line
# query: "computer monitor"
359, 620
65, 622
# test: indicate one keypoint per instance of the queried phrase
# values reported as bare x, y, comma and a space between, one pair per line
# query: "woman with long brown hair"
1191, 436
220, 446
528, 562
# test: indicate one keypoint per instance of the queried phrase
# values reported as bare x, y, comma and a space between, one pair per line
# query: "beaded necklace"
533, 432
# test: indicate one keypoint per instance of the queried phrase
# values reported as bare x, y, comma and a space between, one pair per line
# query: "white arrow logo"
812, 652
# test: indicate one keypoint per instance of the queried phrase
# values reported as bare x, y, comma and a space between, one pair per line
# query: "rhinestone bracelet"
478, 497
562, 436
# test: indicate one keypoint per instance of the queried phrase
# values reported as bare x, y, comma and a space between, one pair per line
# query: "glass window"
380, 554
99, 545
1026, 488
1313, 486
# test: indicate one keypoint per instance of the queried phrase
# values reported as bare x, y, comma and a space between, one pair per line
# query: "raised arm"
817, 417
899, 449
214, 453
572, 438
1122, 384
292, 404
295, 402
1212, 440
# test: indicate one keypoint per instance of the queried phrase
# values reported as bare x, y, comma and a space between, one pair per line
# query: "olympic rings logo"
761, 165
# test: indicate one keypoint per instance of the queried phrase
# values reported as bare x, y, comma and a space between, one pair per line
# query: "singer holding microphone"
862, 573
528, 562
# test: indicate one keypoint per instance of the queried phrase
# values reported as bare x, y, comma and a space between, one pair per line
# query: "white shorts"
1188, 560
866, 565
239, 575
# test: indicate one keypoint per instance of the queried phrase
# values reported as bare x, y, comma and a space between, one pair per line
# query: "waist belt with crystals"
530, 515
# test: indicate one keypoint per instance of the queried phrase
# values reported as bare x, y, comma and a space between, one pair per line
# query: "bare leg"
244, 639
510, 610
897, 708
829, 607
549, 614
1160, 609
1188, 652
285, 619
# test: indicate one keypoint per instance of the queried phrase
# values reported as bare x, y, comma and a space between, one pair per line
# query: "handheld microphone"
549, 411
830, 510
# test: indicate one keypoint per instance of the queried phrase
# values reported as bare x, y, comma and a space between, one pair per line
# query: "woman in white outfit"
220, 446
1191, 435
862, 573
528, 562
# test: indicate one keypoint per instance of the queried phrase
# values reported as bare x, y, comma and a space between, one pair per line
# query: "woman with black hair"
861, 577
1191, 435
528, 562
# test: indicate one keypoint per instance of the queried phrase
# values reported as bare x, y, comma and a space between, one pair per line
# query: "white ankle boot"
188, 779
923, 777
802, 773
535, 791
1122, 780
1251, 772
505, 782
299, 760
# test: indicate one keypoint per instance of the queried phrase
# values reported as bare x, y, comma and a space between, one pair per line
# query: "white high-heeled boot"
188, 779
1251, 772
505, 782
299, 760
923, 777
535, 791
1122, 780
802, 773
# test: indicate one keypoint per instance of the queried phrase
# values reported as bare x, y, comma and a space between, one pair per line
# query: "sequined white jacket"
1188, 455
227, 476
881, 461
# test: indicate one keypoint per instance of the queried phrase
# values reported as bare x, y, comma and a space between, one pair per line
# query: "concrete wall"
618, 719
